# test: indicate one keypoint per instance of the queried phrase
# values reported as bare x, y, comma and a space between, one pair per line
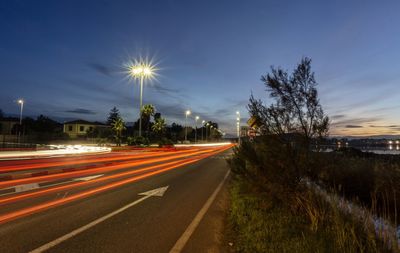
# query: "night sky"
66, 58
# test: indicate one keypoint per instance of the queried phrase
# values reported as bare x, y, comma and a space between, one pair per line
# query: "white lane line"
157, 192
193, 225
33, 186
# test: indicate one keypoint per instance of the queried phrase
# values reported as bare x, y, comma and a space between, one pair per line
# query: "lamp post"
186, 115
238, 126
202, 129
207, 131
195, 123
141, 71
21, 103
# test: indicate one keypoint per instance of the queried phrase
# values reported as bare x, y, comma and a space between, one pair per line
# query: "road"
116, 202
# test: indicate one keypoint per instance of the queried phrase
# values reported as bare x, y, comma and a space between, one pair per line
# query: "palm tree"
147, 112
159, 126
118, 126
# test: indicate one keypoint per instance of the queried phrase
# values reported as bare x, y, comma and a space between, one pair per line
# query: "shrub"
164, 142
138, 141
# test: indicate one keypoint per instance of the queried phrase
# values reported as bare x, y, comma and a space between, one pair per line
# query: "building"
79, 128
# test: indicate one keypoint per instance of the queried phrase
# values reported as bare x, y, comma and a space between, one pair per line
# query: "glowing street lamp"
202, 129
207, 131
141, 71
238, 125
195, 123
186, 115
21, 103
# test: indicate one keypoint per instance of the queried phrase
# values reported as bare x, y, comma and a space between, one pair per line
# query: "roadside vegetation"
288, 196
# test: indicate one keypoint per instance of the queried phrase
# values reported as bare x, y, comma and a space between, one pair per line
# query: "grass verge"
261, 225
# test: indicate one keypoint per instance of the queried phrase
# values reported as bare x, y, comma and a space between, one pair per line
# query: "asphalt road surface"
117, 202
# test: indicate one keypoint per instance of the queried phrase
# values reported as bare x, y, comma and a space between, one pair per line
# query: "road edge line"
77, 231
180, 244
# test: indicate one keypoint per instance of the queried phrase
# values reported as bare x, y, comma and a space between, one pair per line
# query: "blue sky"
65, 58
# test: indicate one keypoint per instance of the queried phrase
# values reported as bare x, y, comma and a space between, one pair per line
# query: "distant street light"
195, 133
21, 103
207, 132
141, 71
202, 129
238, 126
186, 115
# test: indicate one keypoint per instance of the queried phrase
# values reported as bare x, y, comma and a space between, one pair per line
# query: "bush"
164, 142
138, 141
269, 166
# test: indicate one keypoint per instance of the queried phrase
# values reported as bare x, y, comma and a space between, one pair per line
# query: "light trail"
85, 172
73, 184
13, 168
54, 203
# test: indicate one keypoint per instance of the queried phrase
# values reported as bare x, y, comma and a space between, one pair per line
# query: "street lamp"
202, 129
141, 71
207, 131
186, 115
21, 103
238, 125
195, 123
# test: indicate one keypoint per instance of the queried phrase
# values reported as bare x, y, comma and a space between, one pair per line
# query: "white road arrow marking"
159, 192
87, 178
156, 192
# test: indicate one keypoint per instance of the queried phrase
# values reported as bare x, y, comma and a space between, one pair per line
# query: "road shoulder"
211, 234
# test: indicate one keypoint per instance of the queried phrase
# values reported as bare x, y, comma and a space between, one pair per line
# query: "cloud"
356, 121
391, 126
80, 111
353, 126
173, 93
102, 69
338, 116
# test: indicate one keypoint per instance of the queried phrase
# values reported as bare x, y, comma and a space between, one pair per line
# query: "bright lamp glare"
188, 112
141, 70
147, 71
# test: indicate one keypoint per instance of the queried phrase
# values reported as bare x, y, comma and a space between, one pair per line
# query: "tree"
157, 116
159, 126
146, 113
1, 114
282, 156
296, 109
113, 115
174, 131
118, 126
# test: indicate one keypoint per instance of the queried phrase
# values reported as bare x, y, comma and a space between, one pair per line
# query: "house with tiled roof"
79, 128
